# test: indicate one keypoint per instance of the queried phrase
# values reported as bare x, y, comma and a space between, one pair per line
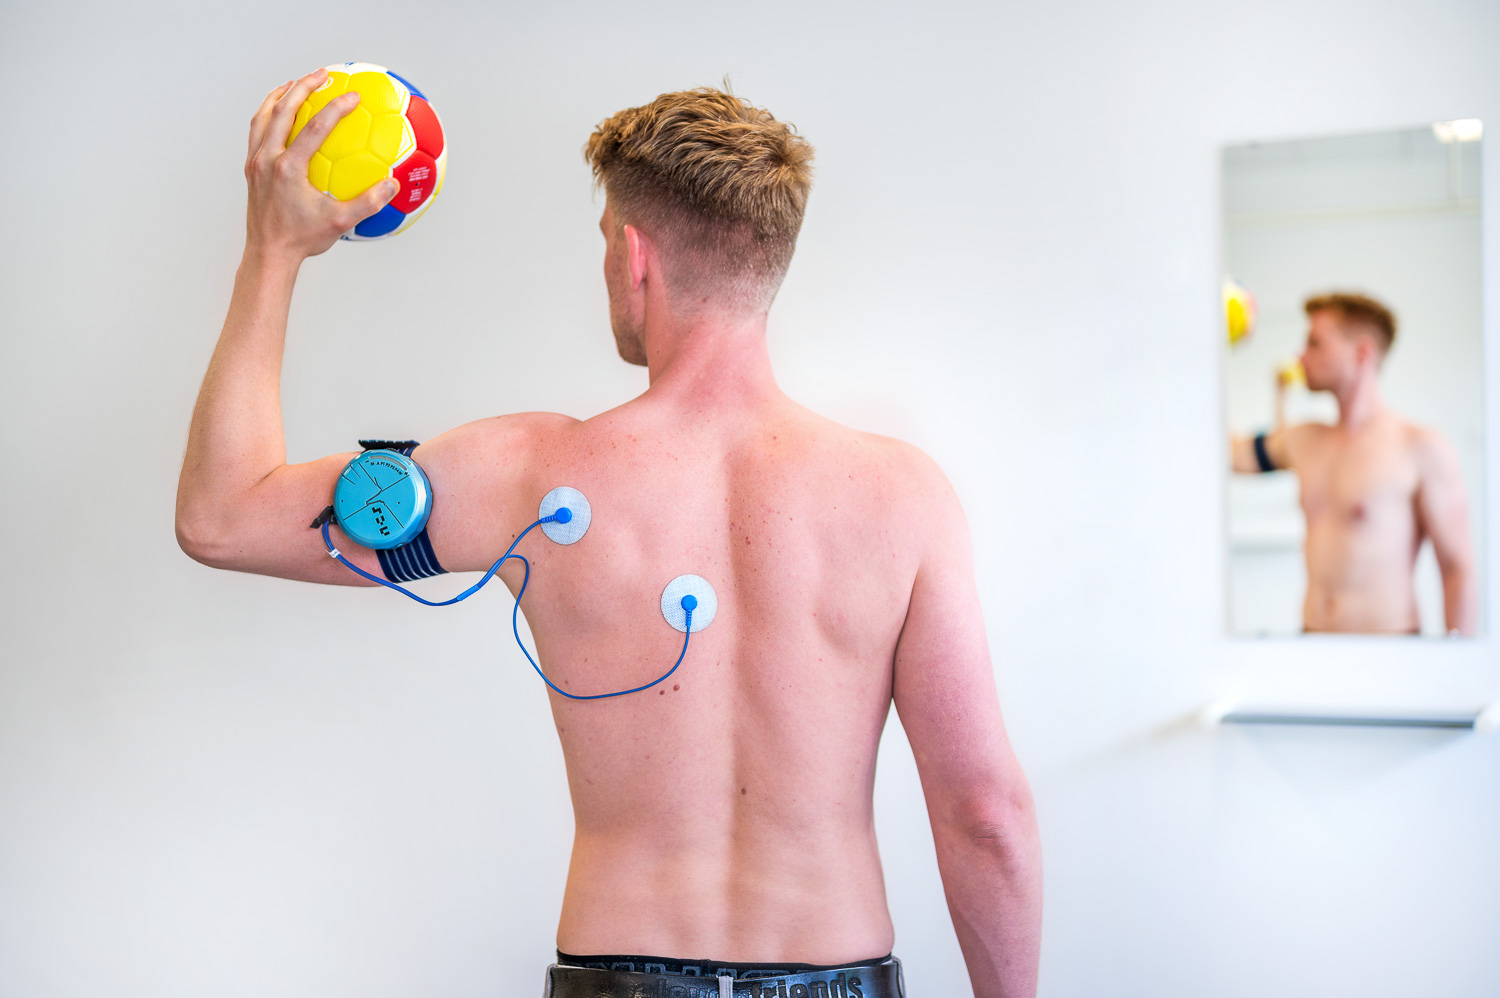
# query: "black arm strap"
1263, 456
400, 446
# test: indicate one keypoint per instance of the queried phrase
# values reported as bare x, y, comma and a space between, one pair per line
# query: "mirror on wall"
1354, 375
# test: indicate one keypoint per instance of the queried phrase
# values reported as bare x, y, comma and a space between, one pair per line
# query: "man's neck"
710, 360
1360, 402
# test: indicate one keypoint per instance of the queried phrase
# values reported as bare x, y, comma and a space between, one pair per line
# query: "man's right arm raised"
1244, 452
978, 800
1276, 444
240, 505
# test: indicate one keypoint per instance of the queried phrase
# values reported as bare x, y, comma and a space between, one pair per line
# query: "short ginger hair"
719, 184
1358, 310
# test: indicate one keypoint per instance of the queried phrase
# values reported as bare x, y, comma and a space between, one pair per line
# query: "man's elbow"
205, 540
1001, 819
1455, 562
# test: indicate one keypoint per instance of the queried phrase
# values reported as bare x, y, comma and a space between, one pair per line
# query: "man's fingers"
369, 202
317, 128
285, 110
258, 120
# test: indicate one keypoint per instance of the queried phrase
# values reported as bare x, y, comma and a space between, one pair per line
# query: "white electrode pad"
574, 529
697, 587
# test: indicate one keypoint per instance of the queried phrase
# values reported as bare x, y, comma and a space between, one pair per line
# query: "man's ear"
638, 251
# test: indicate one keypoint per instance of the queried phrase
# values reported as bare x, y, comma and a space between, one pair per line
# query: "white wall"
214, 784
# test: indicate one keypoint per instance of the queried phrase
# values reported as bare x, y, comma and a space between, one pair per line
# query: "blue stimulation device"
383, 500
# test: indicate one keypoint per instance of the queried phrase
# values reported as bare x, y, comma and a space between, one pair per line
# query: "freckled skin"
855, 588
786, 692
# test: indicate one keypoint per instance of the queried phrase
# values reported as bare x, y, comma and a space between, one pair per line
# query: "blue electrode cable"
563, 515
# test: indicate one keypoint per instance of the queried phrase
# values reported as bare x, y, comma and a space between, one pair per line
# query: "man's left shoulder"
904, 460
916, 488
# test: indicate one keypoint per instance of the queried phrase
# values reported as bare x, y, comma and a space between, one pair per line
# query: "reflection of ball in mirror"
1239, 310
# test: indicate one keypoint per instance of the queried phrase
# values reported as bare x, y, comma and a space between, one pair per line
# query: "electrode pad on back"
701, 600
382, 499
565, 531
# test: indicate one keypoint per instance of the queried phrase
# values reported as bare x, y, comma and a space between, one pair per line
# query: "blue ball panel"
408, 84
383, 221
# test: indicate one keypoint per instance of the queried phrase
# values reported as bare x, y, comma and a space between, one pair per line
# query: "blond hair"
719, 184
1360, 310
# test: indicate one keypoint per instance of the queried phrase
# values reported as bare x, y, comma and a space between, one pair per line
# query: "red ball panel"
424, 124
417, 175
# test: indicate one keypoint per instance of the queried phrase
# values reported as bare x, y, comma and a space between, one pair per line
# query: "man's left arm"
1443, 512
979, 802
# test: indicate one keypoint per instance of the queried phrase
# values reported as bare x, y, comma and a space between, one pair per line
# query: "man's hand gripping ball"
287, 216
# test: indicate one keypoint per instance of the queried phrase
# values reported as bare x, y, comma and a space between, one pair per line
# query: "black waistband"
704, 968
880, 980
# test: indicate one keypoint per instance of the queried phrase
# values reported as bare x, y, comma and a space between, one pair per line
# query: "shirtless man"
1374, 486
723, 819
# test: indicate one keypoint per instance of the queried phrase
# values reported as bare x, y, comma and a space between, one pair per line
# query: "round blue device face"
382, 500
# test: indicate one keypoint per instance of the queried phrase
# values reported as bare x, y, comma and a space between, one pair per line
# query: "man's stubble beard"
631, 351
630, 339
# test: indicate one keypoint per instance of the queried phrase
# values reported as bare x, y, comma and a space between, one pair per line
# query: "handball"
1239, 311
1292, 373
392, 132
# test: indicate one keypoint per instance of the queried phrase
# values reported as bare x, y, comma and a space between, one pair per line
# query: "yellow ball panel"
391, 138
353, 175
336, 84
317, 170
377, 93
1239, 323
349, 136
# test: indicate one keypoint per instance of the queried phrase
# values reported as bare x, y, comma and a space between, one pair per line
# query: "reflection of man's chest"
1358, 481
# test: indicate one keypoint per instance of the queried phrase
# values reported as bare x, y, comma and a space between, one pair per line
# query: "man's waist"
869, 980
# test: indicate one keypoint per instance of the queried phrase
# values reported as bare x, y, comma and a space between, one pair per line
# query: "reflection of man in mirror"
1374, 486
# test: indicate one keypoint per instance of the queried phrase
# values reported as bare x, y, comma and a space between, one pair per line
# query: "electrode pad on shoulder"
571, 529
380, 481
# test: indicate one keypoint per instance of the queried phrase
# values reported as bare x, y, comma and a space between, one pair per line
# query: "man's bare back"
732, 803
